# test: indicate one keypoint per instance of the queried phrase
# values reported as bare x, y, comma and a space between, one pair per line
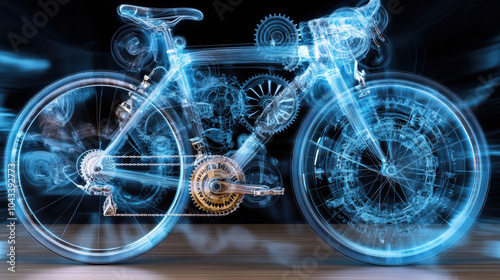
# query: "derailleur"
109, 207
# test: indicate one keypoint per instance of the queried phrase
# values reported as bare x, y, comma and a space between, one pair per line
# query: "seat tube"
177, 63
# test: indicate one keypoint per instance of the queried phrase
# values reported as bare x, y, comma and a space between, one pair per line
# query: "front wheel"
415, 205
71, 123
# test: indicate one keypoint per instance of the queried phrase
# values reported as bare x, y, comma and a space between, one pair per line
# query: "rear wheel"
69, 124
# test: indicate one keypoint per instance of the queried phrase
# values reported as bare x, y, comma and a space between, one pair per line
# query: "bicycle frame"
383, 161
322, 63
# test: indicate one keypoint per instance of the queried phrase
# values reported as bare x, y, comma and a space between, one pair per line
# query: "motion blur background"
455, 42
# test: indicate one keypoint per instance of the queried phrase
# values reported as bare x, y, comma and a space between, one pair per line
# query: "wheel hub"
389, 170
391, 192
92, 163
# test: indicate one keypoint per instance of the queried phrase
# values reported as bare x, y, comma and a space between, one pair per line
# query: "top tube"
229, 55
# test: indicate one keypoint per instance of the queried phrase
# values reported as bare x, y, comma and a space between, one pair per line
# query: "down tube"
271, 120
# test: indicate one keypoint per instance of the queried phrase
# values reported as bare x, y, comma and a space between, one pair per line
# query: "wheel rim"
435, 208
72, 233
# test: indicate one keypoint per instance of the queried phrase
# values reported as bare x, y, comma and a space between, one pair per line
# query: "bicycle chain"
172, 215
151, 164
162, 164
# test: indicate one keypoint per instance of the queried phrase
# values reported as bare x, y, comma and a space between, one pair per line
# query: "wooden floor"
257, 252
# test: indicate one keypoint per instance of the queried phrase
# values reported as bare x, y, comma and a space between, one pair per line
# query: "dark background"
456, 43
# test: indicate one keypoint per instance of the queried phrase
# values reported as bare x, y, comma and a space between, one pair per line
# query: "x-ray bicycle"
388, 168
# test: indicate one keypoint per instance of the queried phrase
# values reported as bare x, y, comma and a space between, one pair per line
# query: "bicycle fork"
270, 119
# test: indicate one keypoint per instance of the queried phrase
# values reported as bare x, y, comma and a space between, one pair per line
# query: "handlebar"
346, 35
370, 9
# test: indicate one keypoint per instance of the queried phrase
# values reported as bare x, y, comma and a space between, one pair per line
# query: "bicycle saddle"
155, 16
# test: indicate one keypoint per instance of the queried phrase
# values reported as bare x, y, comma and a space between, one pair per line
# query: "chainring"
211, 169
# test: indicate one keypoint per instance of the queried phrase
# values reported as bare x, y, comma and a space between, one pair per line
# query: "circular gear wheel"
220, 101
91, 165
291, 63
262, 171
210, 169
259, 91
132, 47
155, 135
277, 36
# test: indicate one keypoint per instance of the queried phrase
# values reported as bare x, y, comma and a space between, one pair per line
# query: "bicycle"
388, 169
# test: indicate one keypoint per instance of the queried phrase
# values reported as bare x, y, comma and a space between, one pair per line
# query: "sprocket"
279, 113
92, 163
277, 37
210, 169
220, 100
259, 91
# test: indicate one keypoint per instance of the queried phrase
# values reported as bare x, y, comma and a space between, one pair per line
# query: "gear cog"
291, 63
132, 47
278, 37
262, 171
223, 97
215, 168
91, 165
263, 90
259, 91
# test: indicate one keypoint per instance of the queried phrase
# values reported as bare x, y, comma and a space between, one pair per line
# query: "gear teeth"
286, 21
257, 76
248, 84
291, 67
83, 168
238, 198
291, 121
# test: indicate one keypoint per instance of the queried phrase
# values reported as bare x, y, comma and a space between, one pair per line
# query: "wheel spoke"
391, 207
52, 148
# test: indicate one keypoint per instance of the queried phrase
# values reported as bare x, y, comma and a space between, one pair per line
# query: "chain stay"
162, 164
151, 164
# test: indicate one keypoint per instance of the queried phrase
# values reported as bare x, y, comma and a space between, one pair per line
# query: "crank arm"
220, 187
